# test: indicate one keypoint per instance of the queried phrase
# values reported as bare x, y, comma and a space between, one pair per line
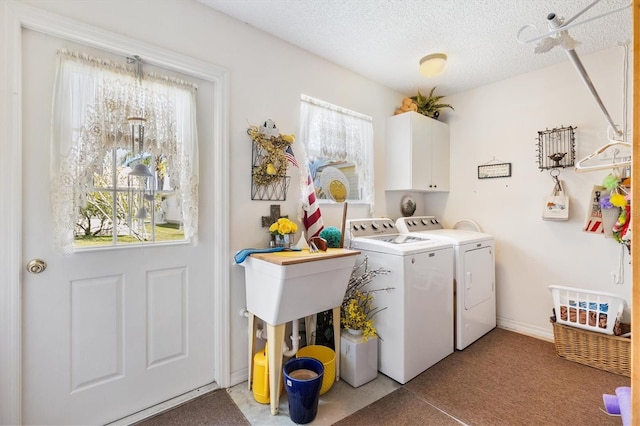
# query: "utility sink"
288, 285
285, 286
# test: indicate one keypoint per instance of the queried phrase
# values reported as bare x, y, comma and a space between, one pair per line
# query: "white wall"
501, 120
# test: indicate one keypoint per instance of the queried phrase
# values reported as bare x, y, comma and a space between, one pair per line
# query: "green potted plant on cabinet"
429, 105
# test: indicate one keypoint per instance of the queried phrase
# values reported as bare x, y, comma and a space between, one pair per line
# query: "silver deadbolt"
36, 266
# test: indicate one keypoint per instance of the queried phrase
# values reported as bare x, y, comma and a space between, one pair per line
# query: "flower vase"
358, 358
280, 240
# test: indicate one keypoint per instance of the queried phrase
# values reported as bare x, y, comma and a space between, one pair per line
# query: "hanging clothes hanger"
613, 155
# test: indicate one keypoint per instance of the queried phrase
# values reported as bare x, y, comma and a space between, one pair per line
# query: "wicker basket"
609, 353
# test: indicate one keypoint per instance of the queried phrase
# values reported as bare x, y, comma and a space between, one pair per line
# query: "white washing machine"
474, 274
416, 326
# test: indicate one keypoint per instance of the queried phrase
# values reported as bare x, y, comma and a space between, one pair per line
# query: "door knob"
36, 266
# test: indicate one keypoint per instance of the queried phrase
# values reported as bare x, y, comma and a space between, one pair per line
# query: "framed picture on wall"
489, 171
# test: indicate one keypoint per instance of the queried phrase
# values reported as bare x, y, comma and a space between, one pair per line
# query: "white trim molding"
11, 218
15, 17
527, 329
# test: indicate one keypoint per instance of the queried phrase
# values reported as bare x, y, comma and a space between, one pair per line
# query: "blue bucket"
303, 380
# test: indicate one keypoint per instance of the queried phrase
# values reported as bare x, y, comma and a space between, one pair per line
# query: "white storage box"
358, 359
587, 309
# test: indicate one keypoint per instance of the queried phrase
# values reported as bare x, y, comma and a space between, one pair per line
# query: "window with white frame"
109, 121
339, 149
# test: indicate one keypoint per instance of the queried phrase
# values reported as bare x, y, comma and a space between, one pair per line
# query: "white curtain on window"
91, 103
330, 131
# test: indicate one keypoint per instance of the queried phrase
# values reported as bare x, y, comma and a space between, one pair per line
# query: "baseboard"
527, 329
239, 376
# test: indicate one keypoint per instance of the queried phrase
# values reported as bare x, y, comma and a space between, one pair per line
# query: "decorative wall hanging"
494, 169
269, 159
556, 148
334, 184
274, 215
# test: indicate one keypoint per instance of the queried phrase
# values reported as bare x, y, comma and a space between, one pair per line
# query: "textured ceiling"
384, 40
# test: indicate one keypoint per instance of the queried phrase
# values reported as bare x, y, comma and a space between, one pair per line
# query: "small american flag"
312, 217
288, 153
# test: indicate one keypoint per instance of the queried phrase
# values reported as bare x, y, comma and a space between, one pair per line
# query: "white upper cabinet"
417, 157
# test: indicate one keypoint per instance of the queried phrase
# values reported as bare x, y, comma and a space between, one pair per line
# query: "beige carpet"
505, 378
400, 408
214, 408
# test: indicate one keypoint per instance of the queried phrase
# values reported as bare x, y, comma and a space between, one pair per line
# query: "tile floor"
339, 402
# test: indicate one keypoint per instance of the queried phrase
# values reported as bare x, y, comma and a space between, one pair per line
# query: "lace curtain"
330, 131
91, 103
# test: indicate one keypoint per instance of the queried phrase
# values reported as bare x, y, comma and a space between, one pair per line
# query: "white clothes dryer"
416, 324
474, 275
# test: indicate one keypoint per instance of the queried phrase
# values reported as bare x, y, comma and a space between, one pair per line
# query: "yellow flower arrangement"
357, 310
283, 226
357, 314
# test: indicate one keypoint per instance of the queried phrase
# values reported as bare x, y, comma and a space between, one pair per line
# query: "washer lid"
457, 236
399, 244
398, 238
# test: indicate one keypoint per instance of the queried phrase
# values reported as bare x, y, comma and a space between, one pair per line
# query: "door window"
124, 155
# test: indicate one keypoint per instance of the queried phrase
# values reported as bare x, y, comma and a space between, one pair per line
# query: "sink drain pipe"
261, 333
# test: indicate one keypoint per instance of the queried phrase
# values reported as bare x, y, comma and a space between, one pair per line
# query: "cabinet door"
439, 157
420, 152
398, 156
417, 157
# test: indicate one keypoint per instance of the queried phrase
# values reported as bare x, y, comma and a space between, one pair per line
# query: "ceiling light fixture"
433, 65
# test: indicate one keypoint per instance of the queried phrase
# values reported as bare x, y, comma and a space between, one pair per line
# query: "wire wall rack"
275, 189
556, 148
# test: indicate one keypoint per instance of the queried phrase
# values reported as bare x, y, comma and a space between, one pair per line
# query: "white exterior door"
106, 332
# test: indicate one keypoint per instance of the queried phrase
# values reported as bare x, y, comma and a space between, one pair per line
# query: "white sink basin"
285, 286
